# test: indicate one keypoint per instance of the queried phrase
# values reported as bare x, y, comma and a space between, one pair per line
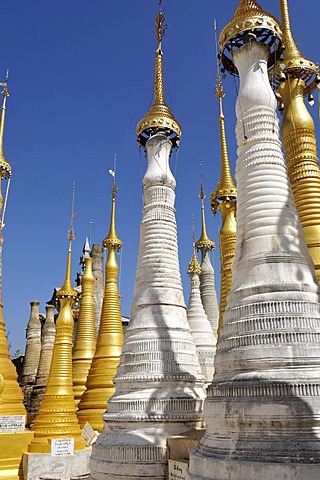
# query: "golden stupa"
223, 198
15, 440
57, 414
85, 341
300, 77
99, 384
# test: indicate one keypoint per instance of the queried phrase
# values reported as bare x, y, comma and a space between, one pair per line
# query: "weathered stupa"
99, 386
159, 386
48, 336
262, 408
98, 286
200, 327
32, 351
301, 77
224, 199
207, 285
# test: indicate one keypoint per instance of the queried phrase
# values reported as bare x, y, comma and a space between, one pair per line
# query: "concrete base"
214, 468
38, 466
13, 446
180, 445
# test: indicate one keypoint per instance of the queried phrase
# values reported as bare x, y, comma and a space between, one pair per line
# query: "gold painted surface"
159, 117
85, 341
57, 414
299, 142
5, 167
13, 446
99, 384
227, 238
249, 23
194, 266
294, 64
223, 198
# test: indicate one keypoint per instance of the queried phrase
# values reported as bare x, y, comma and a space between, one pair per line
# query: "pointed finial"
194, 266
294, 64
226, 189
5, 167
249, 22
204, 240
112, 240
67, 289
159, 118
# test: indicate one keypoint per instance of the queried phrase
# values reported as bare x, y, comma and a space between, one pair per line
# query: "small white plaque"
178, 470
88, 434
62, 446
12, 423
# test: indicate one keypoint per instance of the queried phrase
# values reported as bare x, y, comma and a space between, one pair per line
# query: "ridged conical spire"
299, 140
110, 338
11, 397
57, 414
194, 267
226, 187
224, 199
294, 63
249, 21
85, 341
159, 117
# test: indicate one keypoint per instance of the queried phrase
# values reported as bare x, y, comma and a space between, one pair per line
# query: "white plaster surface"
262, 409
208, 291
159, 385
46, 466
201, 330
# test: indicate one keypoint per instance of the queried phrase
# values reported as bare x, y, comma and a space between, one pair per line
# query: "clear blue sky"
81, 77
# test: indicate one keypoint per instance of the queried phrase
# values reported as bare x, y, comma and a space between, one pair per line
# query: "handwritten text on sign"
62, 446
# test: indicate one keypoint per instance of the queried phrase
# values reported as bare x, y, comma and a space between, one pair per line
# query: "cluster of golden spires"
159, 117
99, 386
300, 148
57, 414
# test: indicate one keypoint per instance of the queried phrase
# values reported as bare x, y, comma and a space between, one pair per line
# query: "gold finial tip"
194, 267
249, 22
159, 117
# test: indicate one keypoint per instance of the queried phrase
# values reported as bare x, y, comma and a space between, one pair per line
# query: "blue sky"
81, 77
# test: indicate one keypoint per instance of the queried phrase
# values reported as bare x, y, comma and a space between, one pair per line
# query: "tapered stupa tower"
207, 285
48, 336
11, 396
159, 387
224, 199
85, 341
98, 288
300, 77
57, 414
110, 339
32, 351
200, 327
262, 408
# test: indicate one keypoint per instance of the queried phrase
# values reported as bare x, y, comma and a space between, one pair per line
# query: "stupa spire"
159, 117
85, 340
198, 320
299, 77
11, 396
224, 198
99, 386
262, 406
158, 384
207, 284
57, 414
